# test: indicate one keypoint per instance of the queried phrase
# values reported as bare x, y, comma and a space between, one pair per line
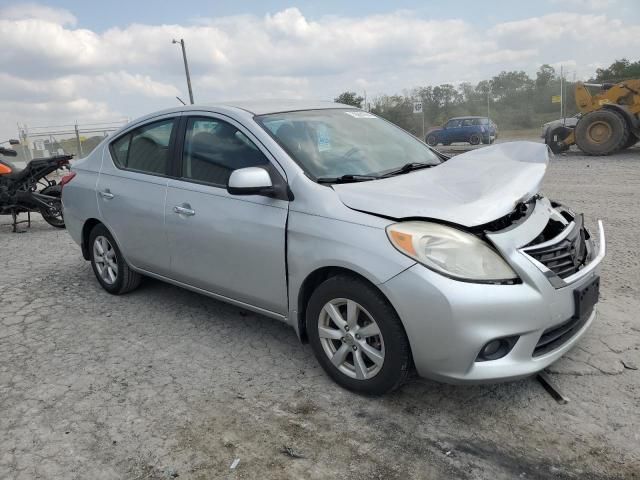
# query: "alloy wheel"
105, 260
351, 338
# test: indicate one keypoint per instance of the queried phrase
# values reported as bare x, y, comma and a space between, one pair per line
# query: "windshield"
333, 143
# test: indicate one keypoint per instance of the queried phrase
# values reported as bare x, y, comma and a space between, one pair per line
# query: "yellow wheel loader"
609, 119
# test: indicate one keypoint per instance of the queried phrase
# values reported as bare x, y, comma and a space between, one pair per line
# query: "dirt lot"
164, 383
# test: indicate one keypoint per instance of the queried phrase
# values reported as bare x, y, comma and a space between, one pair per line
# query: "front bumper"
449, 321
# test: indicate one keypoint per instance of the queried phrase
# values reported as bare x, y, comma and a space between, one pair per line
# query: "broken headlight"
450, 251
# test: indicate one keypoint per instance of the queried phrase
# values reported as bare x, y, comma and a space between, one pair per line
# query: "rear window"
145, 149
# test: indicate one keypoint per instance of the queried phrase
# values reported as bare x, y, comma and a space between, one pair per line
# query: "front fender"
315, 242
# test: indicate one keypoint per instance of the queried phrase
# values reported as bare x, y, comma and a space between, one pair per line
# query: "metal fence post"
78, 142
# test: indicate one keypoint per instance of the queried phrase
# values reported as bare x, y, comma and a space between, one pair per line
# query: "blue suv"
472, 130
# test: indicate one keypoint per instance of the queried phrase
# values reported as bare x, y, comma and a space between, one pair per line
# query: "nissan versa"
381, 253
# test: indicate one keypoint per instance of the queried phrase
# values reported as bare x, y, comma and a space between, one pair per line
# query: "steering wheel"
351, 152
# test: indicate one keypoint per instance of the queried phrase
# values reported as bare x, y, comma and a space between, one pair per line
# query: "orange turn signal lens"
403, 241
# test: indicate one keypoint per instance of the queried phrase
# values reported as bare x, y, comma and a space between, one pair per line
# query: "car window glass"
335, 142
481, 121
145, 149
120, 149
453, 123
214, 148
467, 122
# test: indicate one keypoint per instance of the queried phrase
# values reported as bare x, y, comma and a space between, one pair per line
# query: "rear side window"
214, 148
145, 149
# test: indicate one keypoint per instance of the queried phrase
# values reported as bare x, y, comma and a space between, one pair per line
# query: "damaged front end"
565, 250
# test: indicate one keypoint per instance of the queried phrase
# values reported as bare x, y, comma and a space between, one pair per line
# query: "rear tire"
53, 216
366, 351
631, 142
602, 132
109, 266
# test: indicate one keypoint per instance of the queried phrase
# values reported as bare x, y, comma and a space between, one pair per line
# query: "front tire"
475, 139
109, 266
432, 140
602, 132
357, 336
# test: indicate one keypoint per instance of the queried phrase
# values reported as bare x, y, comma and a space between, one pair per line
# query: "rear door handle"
107, 194
184, 210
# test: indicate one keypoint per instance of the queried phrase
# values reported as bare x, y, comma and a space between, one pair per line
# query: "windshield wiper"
407, 167
348, 178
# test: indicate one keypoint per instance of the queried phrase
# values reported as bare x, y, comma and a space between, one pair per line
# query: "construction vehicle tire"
631, 142
602, 132
555, 138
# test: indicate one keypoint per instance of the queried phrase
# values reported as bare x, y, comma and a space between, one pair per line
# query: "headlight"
449, 251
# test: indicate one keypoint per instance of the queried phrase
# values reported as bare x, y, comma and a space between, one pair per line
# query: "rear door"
466, 130
229, 245
131, 191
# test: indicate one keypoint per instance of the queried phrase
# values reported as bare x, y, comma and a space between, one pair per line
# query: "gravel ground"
163, 382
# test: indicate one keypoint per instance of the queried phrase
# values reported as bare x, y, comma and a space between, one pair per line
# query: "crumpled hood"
471, 189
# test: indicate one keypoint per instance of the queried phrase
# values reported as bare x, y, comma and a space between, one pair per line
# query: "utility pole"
562, 94
186, 68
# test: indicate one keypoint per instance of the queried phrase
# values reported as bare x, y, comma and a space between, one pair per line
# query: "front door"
229, 245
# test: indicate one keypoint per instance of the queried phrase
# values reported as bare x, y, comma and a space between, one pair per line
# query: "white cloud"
52, 68
42, 12
594, 5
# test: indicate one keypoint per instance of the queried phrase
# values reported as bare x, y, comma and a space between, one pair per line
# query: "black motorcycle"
29, 190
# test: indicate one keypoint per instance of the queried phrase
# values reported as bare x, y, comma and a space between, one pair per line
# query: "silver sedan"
380, 252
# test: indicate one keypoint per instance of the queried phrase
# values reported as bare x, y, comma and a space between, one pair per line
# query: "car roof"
263, 107
464, 118
255, 107
259, 107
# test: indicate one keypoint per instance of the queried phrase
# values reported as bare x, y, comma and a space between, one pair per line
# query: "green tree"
621, 69
545, 74
350, 98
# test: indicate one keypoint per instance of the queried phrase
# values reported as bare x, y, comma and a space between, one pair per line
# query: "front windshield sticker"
358, 114
324, 141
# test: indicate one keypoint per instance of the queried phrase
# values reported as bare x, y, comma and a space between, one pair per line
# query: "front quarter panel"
316, 242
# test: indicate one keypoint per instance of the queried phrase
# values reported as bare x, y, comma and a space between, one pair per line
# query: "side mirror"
13, 141
250, 181
7, 152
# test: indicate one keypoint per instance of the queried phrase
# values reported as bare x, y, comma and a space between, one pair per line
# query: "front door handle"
107, 194
184, 210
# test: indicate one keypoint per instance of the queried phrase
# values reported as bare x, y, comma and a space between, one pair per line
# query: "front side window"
145, 149
467, 122
337, 142
481, 121
453, 123
214, 148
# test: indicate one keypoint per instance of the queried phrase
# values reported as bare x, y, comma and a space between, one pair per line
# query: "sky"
68, 61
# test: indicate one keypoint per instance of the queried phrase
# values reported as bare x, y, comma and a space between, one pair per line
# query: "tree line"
512, 99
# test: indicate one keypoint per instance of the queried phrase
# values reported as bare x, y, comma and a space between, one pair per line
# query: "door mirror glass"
250, 181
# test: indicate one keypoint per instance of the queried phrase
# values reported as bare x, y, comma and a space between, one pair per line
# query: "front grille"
567, 256
554, 337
